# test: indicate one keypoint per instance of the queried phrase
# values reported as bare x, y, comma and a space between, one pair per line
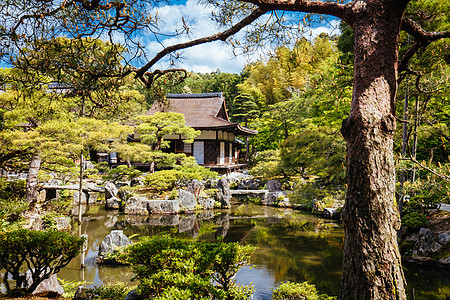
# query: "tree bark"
32, 180
372, 263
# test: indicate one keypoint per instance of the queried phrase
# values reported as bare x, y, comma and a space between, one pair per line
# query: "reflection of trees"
299, 250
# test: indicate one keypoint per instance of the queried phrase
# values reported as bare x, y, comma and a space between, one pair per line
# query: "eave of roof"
201, 112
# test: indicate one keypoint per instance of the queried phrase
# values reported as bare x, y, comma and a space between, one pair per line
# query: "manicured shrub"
298, 291
12, 204
166, 180
171, 268
43, 253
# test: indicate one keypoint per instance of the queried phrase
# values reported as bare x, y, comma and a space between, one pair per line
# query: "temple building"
217, 147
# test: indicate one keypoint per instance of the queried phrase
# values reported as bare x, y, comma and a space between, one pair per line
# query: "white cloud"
207, 57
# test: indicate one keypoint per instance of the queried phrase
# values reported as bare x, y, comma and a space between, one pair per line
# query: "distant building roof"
201, 111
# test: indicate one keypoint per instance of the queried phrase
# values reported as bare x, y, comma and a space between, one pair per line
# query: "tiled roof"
201, 111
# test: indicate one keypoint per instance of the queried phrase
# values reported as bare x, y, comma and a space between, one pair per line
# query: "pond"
291, 246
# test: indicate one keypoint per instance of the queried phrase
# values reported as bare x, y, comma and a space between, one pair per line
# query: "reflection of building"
217, 147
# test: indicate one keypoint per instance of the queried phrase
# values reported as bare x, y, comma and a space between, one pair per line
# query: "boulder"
81, 294
186, 200
111, 242
136, 206
110, 190
92, 197
112, 203
445, 261
249, 184
425, 243
163, 206
207, 203
137, 181
275, 199
195, 187
63, 224
273, 185
76, 197
332, 213
48, 288
443, 239
224, 193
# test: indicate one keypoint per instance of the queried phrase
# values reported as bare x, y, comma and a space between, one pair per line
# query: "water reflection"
291, 245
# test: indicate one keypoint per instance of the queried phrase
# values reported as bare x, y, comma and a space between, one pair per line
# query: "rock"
224, 193
110, 190
133, 295
55, 182
76, 197
136, 206
112, 203
36, 224
273, 185
48, 288
425, 243
445, 261
275, 199
163, 206
186, 200
81, 294
74, 211
111, 242
137, 181
92, 197
332, 213
443, 239
63, 224
207, 203
195, 187
249, 184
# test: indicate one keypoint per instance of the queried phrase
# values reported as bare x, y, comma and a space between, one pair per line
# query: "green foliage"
267, 164
298, 291
166, 180
122, 173
151, 129
415, 214
316, 151
415, 220
117, 290
170, 267
50, 219
70, 287
42, 252
12, 204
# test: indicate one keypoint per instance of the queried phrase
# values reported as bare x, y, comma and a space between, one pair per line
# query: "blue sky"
207, 57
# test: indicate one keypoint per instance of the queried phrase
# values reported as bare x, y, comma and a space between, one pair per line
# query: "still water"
290, 245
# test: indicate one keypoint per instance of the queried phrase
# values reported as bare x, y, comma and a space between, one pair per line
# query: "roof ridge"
199, 95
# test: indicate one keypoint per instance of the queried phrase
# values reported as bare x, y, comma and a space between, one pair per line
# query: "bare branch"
422, 39
222, 36
343, 11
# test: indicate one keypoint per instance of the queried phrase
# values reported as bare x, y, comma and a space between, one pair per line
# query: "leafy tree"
42, 253
315, 151
244, 108
369, 216
152, 129
172, 268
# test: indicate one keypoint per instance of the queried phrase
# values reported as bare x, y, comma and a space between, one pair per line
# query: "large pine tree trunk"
372, 263
32, 180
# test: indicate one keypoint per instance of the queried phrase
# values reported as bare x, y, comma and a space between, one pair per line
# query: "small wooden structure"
217, 146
